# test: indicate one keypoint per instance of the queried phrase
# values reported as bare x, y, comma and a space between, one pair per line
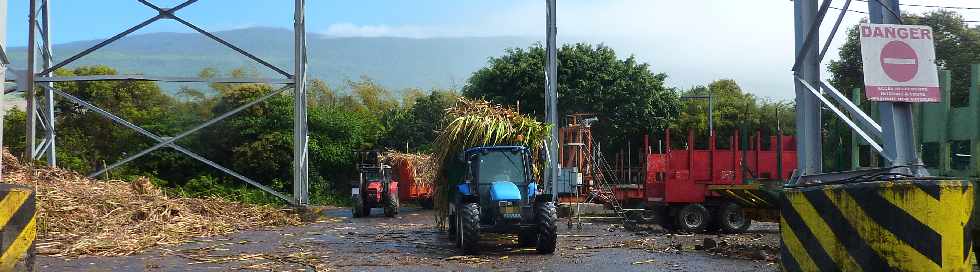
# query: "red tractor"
375, 188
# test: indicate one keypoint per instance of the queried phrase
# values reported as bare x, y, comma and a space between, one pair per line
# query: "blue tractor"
497, 194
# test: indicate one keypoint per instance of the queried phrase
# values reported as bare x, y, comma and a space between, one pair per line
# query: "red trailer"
414, 188
695, 190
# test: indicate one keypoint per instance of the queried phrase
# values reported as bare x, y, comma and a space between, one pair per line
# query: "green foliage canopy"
625, 95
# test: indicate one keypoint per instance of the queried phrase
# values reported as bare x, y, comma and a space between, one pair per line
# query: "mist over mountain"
396, 63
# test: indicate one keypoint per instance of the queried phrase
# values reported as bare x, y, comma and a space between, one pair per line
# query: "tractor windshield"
372, 174
502, 166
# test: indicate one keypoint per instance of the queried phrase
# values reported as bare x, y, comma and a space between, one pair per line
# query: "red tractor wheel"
391, 205
358, 209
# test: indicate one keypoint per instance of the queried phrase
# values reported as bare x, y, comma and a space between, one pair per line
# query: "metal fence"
947, 136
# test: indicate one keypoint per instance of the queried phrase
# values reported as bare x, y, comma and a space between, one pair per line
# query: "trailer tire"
692, 218
547, 220
391, 205
469, 228
732, 218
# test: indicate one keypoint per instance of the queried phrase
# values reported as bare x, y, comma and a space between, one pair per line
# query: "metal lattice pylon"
30, 79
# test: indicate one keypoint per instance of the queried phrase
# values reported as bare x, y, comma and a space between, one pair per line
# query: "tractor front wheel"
452, 227
469, 227
357, 210
547, 218
391, 205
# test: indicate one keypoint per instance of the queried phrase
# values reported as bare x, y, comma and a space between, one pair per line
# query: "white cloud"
401, 31
694, 42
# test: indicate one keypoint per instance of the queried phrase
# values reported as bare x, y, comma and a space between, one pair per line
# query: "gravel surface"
411, 243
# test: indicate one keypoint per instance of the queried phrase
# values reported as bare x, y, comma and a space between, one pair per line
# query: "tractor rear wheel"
547, 220
469, 227
732, 219
692, 218
391, 205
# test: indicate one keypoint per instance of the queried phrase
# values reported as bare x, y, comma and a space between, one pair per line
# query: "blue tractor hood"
504, 191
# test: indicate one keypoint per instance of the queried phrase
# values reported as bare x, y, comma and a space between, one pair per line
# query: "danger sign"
899, 63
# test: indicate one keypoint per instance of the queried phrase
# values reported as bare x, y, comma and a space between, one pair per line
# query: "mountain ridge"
394, 62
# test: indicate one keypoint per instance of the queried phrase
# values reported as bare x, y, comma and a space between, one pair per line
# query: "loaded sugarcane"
490, 175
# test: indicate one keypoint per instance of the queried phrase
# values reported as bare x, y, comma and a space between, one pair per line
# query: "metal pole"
3, 73
29, 86
300, 136
808, 107
779, 147
551, 82
896, 117
711, 114
46, 59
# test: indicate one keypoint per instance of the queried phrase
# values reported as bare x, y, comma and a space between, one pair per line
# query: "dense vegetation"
734, 110
256, 142
629, 99
624, 94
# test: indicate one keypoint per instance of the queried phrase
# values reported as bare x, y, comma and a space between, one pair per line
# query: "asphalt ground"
410, 242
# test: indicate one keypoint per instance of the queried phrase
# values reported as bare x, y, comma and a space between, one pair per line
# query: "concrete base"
914, 225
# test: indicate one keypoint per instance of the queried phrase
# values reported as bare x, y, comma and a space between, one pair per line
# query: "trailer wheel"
547, 219
732, 219
693, 218
469, 227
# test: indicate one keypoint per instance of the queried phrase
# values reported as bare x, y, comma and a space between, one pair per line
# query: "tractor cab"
501, 177
375, 187
498, 194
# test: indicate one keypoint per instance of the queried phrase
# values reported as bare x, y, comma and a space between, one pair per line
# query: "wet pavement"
410, 242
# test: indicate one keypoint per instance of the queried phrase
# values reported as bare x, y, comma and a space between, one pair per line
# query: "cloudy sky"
693, 41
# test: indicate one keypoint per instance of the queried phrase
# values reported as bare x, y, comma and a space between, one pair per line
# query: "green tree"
416, 126
628, 99
95, 140
734, 109
372, 96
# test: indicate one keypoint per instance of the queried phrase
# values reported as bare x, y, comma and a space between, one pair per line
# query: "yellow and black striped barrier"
920, 225
18, 222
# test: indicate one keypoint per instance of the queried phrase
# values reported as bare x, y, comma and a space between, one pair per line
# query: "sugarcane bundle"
472, 123
421, 166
